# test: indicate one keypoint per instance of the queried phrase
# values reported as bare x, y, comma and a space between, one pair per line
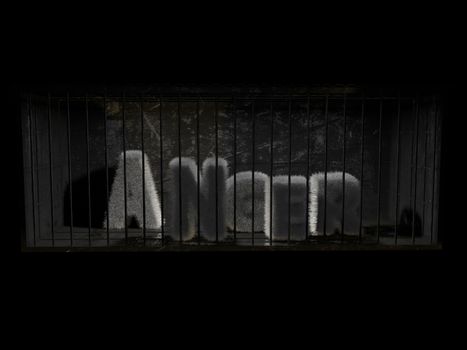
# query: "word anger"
226, 203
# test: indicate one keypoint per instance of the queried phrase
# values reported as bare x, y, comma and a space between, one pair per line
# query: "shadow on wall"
408, 221
80, 199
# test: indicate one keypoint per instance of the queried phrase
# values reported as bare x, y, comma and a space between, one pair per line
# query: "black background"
242, 48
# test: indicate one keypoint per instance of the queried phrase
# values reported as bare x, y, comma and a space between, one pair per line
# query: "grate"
363, 160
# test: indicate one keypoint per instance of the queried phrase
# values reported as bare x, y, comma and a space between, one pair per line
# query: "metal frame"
234, 99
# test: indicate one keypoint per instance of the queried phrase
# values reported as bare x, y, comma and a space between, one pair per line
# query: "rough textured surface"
244, 201
334, 204
280, 207
209, 191
189, 194
134, 183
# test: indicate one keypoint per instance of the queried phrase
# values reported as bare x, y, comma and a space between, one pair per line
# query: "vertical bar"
435, 132
143, 170
326, 163
362, 162
179, 170
235, 169
397, 166
28, 101
198, 222
70, 188
106, 161
380, 132
412, 151
88, 168
38, 185
415, 168
49, 112
344, 168
253, 176
424, 172
217, 169
439, 174
161, 165
290, 172
308, 148
271, 172
124, 168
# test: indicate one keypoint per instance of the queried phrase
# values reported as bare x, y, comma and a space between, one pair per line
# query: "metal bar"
70, 187
38, 185
253, 176
424, 172
415, 175
397, 168
362, 162
235, 170
435, 132
32, 169
441, 165
161, 165
290, 173
412, 152
88, 170
106, 161
124, 168
343, 169
212, 98
198, 222
308, 148
325, 164
179, 172
380, 139
217, 169
143, 170
49, 112
271, 172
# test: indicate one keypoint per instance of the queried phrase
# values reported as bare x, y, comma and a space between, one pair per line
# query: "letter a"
134, 195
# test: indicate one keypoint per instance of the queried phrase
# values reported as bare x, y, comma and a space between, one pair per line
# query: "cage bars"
216, 121
88, 170
415, 168
70, 187
289, 174
397, 169
161, 166
308, 150
380, 145
343, 166
235, 170
143, 175
106, 161
198, 157
33, 203
435, 132
49, 132
179, 139
33, 135
326, 120
253, 154
124, 169
425, 156
362, 163
271, 172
